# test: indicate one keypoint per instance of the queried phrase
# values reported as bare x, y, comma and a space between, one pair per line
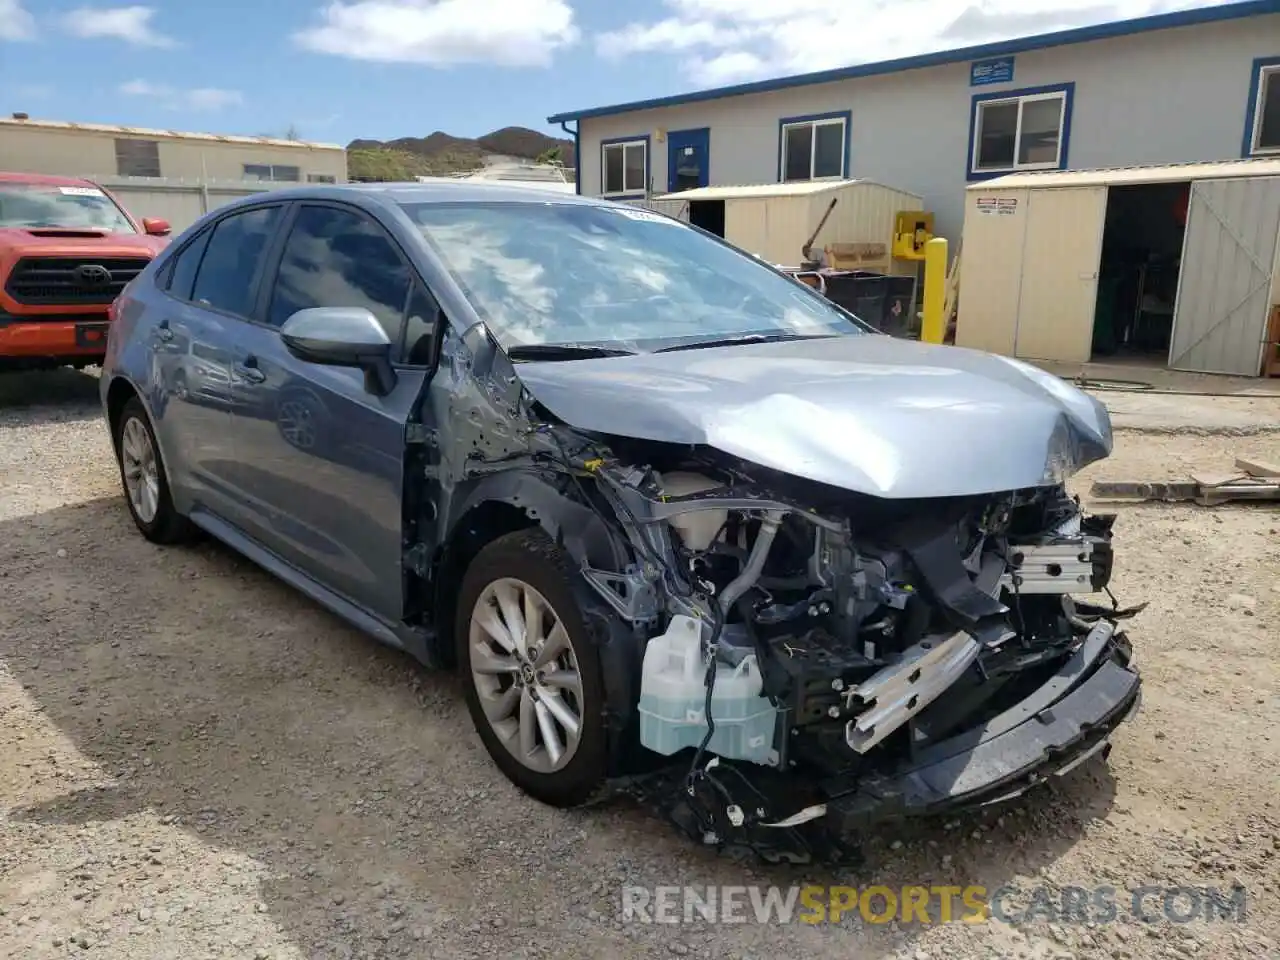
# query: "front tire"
531, 669
142, 476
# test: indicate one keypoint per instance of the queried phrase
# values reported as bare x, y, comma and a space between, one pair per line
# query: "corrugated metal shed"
750, 191
1032, 251
775, 220
1225, 287
1123, 176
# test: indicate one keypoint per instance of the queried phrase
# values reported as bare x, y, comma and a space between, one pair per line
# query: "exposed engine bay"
832, 581
806, 641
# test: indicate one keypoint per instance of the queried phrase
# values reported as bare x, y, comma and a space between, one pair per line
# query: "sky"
334, 70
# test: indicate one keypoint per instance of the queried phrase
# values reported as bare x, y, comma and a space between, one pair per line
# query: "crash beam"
1051, 568
896, 693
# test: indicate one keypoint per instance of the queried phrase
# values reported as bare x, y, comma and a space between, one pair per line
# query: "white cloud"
728, 41
508, 33
130, 24
197, 98
15, 22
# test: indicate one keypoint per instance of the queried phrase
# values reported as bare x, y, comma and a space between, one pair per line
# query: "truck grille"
42, 281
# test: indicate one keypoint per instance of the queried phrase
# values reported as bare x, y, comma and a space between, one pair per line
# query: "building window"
321, 178
1264, 133
1022, 130
137, 158
273, 172
814, 148
624, 167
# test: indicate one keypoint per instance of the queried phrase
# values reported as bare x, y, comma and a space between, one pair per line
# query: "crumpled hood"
873, 414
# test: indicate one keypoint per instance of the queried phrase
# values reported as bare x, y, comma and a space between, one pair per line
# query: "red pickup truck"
67, 249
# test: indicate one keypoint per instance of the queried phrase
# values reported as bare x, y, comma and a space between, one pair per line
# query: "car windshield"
577, 275
65, 207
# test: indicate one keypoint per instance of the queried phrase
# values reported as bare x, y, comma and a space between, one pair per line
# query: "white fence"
181, 202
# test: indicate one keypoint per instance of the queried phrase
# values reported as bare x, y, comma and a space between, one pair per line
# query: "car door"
210, 283
322, 458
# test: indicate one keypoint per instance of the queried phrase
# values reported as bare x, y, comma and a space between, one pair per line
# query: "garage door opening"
1138, 273
708, 214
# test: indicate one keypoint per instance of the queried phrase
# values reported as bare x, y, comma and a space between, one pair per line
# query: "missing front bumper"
1064, 722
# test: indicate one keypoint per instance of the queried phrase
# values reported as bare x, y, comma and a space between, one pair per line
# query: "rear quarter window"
179, 275
232, 259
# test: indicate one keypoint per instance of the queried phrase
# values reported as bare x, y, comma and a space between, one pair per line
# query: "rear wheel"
142, 474
531, 671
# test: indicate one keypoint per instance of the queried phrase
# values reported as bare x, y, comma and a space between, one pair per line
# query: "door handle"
163, 331
250, 371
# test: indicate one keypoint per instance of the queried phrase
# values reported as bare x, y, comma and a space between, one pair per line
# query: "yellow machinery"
912, 229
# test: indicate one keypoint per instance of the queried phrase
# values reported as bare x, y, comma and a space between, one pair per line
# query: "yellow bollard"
933, 328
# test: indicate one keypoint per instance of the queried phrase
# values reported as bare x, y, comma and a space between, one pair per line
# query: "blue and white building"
1198, 85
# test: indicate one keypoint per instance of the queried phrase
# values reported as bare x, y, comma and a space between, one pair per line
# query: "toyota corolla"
680, 523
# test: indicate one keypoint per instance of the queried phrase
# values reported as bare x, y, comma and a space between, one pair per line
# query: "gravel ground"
197, 762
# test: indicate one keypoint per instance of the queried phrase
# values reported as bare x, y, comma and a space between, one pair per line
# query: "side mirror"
342, 337
155, 227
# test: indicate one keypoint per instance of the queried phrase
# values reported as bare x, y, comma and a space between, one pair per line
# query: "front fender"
573, 525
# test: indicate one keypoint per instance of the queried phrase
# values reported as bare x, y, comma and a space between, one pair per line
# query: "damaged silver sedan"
684, 526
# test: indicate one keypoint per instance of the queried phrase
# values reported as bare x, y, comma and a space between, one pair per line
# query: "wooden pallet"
1254, 480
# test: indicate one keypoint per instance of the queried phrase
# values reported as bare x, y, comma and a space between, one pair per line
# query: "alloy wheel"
526, 674
141, 469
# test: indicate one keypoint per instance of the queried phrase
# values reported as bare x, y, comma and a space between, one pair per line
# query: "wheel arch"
506, 503
120, 392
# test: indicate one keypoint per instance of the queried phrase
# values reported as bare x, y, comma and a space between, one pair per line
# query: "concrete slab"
1162, 413
1153, 377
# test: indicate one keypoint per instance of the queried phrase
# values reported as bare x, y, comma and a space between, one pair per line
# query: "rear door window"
233, 257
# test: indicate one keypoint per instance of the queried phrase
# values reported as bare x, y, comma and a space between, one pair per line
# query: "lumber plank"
1258, 468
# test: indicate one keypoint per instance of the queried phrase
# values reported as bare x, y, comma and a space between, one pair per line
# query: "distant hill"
441, 153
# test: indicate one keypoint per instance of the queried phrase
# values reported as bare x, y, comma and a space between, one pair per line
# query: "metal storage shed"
1032, 250
775, 220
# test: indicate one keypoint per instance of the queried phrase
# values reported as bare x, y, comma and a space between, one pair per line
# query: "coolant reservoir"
698, 528
673, 697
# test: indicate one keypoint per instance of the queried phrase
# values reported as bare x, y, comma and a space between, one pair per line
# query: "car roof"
440, 191
44, 180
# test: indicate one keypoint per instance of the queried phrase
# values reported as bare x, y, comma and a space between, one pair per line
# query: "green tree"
381, 164
553, 155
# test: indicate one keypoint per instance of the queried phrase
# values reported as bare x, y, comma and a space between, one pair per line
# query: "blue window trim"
845, 115
1069, 94
648, 159
1251, 108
